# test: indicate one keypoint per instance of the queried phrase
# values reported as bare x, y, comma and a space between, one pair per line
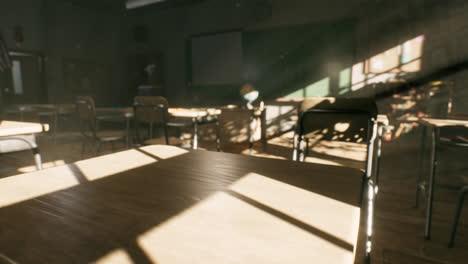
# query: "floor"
398, 235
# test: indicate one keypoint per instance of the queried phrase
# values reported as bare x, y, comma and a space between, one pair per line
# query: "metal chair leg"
432, 175
307, 149
166, 136
456, 218
83, 148
98, 148
295, 147
300, 149
422, 158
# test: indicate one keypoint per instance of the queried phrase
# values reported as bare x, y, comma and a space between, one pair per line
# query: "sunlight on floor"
45, 165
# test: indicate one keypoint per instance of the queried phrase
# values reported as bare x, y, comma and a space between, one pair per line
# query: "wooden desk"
176, 112
162, 204
193, 112
434, 125
53, 111
9, 130
14, 128
196, 115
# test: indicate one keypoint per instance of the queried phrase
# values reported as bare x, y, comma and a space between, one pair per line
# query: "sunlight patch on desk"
321, 212
118, 256
164, 151
23, 187
108, 165
226, 229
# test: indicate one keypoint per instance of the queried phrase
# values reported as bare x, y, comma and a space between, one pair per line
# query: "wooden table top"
176, 112
194, 112
14, 128
162, 204
435, 122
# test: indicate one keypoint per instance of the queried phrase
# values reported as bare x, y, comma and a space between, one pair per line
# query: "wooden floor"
398, 235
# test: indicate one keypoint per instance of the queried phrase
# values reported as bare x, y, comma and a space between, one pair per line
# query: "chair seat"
111, 135
162, 141
349, 154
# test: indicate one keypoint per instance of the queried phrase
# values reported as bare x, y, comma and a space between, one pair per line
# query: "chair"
240, 125
459, 142
153, 110
89, 123
342, 120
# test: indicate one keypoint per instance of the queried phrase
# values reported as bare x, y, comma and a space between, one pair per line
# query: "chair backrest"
151, 109
87, 115
337, 119
238, 125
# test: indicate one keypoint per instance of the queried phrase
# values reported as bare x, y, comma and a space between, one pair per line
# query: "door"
22, 84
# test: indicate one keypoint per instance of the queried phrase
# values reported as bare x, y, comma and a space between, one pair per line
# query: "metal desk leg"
37, 158
34, 148
432, 173
195, 134
422, 157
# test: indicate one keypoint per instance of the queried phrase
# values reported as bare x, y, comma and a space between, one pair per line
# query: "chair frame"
374, 131
436, 143
155, 107
92, 121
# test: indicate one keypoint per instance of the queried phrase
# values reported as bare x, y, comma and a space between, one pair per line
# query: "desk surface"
443, 122
14, 128
162, 204
176, 112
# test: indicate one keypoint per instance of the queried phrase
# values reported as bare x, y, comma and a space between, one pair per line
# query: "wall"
376, 27
443, 25
170, 28
65, 31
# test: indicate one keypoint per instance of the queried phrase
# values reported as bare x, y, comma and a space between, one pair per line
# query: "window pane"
17, 77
